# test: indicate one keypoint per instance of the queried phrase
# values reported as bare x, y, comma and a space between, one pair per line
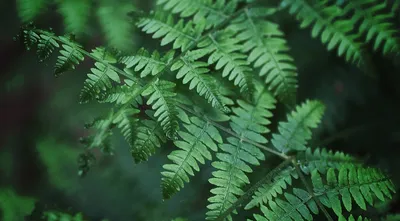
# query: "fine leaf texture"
162, 25
249, 122
223, 50
194, 146
375, 24
325, 22
197, 75
71, 56
215, 12
296, 131
162, 98
267, 51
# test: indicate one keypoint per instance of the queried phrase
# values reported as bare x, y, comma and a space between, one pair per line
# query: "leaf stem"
309, 189
252, 189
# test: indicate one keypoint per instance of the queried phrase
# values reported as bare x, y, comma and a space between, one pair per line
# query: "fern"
147, 64
240, 41
358, 184
149, 137
223, 50
296, 131
70, 56
162, 25
126, 121
325, 21
248, 122
100, 79
195, 73
354, 184
194, 144
267, 50
375, 24
214, 12
162, 99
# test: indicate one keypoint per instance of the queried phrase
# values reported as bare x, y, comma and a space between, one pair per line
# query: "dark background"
41, 122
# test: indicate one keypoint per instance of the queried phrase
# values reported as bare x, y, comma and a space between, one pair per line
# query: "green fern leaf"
352, 183
162, 25
147, 64
30, 38
334, 32
319, 160
125, 120
249, 122
323, 159
148, 139
119, 94
222, 49
46, 45
75, 14
194, 145
296, 131
100, 79
195, 73
273, 188
268, 51
375, 24
162, 99
215, 12
71, 55
30, 9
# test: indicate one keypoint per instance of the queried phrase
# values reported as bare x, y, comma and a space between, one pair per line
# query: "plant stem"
252, 189
309, 189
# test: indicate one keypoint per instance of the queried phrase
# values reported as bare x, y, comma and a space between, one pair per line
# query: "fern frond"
334, 32
100, 79
323, 159
147, 64
162, 25
118, 94
249, 122
162, 99
46, 45
351, 218
126, 121
294, 133
351, 183
375, 23
319, 159
70, 56
273, 188
358, 184
29, 9
148, 139
268, 51
194, 145
196, 73
75, 14
215, 12
222, 49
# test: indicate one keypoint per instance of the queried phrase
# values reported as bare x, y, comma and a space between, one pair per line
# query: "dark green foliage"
213, 93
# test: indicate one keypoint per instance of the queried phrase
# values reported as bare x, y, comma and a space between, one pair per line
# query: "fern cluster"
213, 94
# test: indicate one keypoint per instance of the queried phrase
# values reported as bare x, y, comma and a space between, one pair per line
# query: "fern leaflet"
294, 133
194, 147
248, 122
263, 40
162, 99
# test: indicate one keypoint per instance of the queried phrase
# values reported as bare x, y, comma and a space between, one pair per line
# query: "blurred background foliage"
41, 119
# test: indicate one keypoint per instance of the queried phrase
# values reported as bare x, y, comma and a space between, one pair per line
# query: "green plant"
233, 66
